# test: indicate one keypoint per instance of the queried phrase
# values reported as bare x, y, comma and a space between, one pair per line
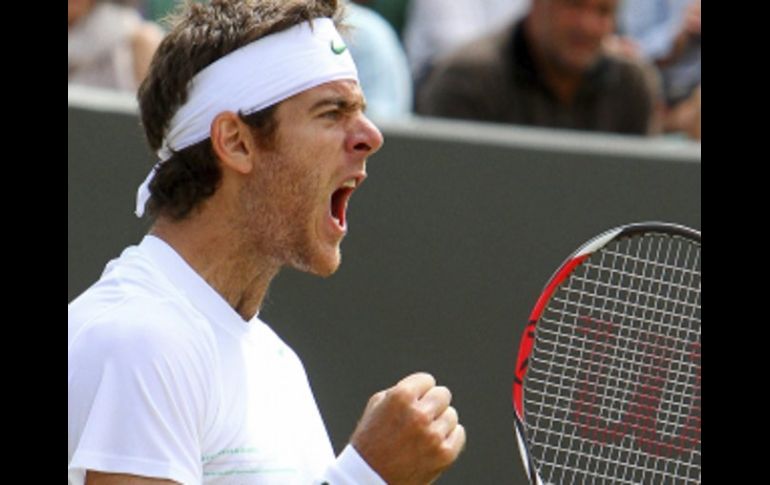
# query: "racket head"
607, 380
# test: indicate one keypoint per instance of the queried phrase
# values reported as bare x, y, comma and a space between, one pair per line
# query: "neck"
221, 256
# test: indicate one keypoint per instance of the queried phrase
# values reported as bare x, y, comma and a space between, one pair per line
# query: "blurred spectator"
434, 28
382, 66
667, 33
383, 70
548, 69
685, 116
394, 11
109, 45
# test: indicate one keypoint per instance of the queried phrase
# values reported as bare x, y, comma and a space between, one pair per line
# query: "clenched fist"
409, 434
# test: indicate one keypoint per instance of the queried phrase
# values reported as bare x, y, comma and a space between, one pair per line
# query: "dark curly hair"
199, 35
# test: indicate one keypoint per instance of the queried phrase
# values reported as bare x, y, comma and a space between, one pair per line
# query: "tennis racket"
607, 385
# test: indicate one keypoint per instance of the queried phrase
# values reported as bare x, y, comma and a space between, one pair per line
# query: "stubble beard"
279, 209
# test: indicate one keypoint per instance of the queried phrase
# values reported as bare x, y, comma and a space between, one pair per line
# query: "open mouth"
339, 202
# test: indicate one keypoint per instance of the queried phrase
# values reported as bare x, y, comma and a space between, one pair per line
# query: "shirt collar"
195, 289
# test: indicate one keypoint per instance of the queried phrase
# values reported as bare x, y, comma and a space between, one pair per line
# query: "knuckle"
421, 417
400, 395
436, 442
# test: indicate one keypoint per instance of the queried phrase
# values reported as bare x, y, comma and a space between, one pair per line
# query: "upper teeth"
351, 184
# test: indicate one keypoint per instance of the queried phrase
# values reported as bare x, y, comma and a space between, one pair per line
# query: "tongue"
338, 206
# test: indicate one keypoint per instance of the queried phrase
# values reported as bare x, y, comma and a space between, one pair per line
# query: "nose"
365, 139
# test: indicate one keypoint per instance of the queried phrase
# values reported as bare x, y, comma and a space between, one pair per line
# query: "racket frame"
527, 341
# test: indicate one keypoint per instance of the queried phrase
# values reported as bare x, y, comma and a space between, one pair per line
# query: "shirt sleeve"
134, 401
351, 469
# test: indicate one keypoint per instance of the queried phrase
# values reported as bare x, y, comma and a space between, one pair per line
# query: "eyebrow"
339, 102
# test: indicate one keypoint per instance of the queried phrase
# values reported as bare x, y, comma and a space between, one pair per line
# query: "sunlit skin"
323, 143
273, 207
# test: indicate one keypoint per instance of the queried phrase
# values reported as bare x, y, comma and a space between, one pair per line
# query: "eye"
333, 114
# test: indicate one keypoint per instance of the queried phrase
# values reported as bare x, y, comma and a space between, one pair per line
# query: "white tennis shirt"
166, 380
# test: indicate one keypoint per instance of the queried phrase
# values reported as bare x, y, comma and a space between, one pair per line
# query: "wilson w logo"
666, 367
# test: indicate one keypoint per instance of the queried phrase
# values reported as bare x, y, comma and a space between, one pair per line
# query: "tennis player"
256, 115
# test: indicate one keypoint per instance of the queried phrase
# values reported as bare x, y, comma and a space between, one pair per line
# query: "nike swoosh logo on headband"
338, 49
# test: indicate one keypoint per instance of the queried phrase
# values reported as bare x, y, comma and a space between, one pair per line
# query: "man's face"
296, 200
570, 32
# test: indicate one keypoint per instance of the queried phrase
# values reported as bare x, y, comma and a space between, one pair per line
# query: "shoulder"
133, 298
632, 92
137, 327
631, 74
133, 310
143, 352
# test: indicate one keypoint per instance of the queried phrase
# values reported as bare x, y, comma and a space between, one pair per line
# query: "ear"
232, 142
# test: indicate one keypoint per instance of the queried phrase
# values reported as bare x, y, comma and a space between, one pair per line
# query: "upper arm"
137, 395
98, 478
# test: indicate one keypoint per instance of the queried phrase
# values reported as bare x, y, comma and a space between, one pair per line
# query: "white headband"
252, 78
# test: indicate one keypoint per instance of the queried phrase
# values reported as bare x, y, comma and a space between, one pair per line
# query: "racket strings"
623, 294
632, 343
612, 393
617, 395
